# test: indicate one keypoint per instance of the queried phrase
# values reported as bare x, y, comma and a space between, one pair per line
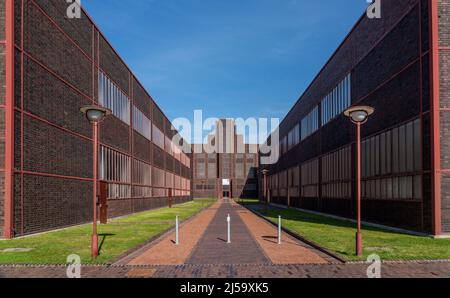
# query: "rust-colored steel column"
9, 121
359, 247
170, 197
265, 185
435, 117
94, 199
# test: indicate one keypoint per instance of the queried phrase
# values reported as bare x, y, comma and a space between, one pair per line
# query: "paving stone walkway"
214, 249
204, 242
164, 251
253, 253
388, 270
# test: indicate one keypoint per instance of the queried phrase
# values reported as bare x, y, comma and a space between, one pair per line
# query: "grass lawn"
115, 238
339, 237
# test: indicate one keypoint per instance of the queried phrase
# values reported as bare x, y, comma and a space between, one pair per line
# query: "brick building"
50, 66
399, 65
225, 166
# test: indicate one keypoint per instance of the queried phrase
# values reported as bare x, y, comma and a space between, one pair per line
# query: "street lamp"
95, 115
359, 116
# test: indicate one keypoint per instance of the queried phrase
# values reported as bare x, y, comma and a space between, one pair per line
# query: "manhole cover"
17, 250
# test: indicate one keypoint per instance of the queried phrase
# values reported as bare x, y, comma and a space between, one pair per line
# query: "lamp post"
359, 116
95, 115
265, 172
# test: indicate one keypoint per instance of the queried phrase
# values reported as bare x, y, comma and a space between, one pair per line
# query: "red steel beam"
435, 117
9, 118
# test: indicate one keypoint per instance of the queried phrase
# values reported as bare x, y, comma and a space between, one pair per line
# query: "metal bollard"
279, 229
229, 229
177, 232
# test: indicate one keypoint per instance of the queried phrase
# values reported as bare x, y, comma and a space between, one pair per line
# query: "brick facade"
444, 54
57, 61
240, 168
389, 63
2, 114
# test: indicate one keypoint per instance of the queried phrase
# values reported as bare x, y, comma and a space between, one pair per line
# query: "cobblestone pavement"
388, 270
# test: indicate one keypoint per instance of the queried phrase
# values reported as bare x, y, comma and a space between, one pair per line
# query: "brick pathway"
213, 247
163, 251
203, 241
290, 251
388, 270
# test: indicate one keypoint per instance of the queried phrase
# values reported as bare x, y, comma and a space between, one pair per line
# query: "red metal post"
9, 120
95, 174
265, 186
435, 117
170, 197
359, 246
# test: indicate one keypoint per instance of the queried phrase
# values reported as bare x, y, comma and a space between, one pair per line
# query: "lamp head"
359, 114
95, 114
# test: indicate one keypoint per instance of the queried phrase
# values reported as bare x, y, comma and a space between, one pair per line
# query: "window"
169, 146
158, 179
142, 192
111, 97
310, 179
294, 182
294, 137
284, 145
283, 183
336, 174
158, 137
337, 101
239, 166
201, 167
142, 124
273, 185
310, 123
176, 151
212, 166
391, 163
142, 173
170, 180
115, 168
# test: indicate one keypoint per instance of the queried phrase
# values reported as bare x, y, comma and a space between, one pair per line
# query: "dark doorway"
226, 194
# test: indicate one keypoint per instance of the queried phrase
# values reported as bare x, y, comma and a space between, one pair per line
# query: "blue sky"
230, 58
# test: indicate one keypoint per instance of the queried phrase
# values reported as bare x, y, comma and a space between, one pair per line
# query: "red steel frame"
9, 118
435, 117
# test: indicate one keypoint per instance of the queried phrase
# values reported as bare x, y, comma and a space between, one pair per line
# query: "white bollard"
177, 232
279, 229
229, 229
